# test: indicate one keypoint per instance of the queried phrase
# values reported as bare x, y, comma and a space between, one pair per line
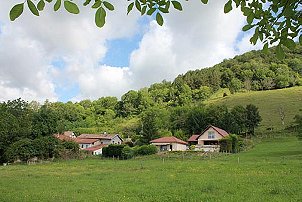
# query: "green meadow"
271, 171
269, 103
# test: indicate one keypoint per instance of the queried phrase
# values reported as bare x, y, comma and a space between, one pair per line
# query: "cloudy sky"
62, 57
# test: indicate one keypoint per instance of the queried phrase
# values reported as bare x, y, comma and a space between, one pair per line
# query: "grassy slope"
268, 103
269, 172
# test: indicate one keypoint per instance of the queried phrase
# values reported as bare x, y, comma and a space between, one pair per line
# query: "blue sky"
63, 57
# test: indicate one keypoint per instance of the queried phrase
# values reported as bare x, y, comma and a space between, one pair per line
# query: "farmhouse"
170, 144
95, 150
103, 138
85, 143
208, 140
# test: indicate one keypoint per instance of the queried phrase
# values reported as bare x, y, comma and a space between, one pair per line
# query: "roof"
220, 131
63, 137
85, 140
171, 139
193, 138
98, 136
94, 148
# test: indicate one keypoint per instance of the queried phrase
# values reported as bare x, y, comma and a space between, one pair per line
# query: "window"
211, 135
82, 146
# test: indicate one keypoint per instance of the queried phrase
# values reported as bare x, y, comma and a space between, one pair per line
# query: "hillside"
269, 103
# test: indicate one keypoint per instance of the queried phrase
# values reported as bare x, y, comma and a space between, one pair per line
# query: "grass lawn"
269, 103
271, 171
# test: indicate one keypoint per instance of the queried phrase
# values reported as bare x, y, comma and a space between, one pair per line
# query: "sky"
63, 57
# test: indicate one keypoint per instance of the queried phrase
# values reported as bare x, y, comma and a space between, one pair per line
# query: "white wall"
204, 136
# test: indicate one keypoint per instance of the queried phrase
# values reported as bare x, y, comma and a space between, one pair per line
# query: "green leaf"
159, 19
96, 4
177, 5
300, 39
71, 7
48, 1
143, 10
100, 17
130, 7
86, 2
151, 11
280, 52
246, 27
57, 5
138, 5
204, 1
265, 48
250, 18
108, 5
289, 43
16, 11
41, 5
32, 7
228, 6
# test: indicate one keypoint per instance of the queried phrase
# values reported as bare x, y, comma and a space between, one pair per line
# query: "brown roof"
85, 140
96, 136
94, 148
171, 139
222, 132
193, 138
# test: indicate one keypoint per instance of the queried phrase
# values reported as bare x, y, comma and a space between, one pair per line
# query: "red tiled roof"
94, 148
85, 140
193, 138
168, 140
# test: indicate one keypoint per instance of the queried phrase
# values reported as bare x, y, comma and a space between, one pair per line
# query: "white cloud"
200, 36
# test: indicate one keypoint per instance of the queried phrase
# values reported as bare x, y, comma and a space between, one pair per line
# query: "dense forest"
163, 109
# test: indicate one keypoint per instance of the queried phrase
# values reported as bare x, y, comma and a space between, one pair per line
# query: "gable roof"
99, 136
171, 139
193, 138
85, 140
94, 148
220, 131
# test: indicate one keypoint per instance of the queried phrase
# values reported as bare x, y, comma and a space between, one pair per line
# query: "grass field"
269, 103
271, 171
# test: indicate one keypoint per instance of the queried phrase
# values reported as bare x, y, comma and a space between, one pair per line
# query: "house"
65, 136
96, 150
170, 144
85, 143
208, 140
104, 138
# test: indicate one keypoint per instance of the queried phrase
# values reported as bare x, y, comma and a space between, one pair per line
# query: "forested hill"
254, 70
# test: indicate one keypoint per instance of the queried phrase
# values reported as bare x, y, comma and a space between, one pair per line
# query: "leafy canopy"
273, 21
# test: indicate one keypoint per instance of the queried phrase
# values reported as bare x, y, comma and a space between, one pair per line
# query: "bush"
145, 150
20, 150
230, 144
127, 152
113, 150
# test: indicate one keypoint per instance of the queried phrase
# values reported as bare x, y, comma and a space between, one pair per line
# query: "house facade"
208, 140
95, 150
104, 138
170, 144
85, 143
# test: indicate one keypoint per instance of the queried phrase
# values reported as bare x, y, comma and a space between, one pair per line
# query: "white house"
170, 144
104, 138
208, 140
96, 150
85, 143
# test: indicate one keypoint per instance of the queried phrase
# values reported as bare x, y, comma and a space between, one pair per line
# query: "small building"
208, 140
104, 138
170, 144
95, 150
85, 143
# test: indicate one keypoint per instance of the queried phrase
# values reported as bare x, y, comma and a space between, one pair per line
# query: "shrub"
230, 144
113, 150
20, 150
146, 150
127, 152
